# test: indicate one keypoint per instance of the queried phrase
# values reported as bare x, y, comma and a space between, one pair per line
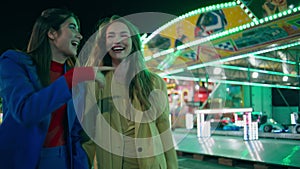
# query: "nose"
79, 36
117, 39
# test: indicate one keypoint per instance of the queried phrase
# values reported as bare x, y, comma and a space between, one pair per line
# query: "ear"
51, 34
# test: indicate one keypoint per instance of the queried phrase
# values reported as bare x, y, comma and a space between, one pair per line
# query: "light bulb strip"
233, 82
273, 59
226, 32
189, 14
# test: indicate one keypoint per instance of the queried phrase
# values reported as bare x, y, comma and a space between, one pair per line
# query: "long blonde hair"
141, 84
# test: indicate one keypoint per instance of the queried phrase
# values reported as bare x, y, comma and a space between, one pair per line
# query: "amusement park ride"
237, 43
228, 43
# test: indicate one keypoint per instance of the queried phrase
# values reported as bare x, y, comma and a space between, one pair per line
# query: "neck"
59, 59
116, 62
58, 56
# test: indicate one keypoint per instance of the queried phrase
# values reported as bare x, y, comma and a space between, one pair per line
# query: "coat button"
140, 149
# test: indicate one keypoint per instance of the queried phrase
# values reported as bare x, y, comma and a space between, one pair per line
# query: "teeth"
117, 48
75, 43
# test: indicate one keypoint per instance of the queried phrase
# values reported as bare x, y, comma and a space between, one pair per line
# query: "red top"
58, 123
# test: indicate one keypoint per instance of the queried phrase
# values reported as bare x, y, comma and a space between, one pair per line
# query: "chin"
73, 54
119, 56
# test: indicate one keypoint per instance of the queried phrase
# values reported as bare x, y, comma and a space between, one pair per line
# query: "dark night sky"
17, 16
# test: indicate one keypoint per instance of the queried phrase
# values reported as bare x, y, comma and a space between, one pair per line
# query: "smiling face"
118, 42
65, 41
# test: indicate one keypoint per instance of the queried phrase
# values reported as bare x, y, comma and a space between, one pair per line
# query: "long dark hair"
38, 47
141, 83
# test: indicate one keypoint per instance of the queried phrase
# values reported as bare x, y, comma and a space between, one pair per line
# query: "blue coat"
27, 108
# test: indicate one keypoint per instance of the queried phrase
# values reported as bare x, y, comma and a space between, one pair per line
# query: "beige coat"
154, 146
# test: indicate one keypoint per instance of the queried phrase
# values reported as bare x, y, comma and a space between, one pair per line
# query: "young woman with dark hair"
40, 129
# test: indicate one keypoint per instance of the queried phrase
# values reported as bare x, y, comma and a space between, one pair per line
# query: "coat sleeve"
27, 103
163, 125
86, 103
79, 156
